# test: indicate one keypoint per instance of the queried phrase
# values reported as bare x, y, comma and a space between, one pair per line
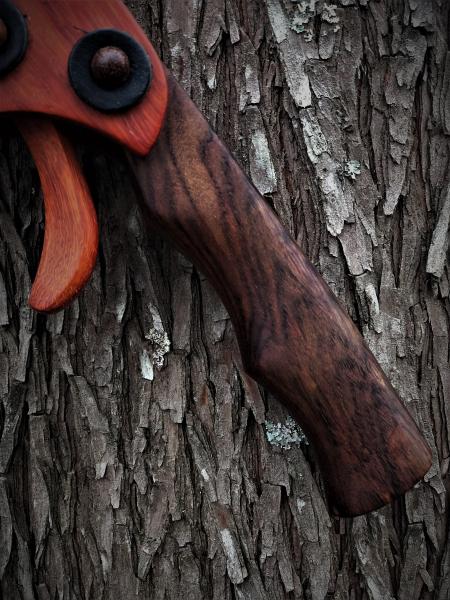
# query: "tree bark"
137, 460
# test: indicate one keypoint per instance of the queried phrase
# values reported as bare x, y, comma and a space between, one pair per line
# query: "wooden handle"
294, 336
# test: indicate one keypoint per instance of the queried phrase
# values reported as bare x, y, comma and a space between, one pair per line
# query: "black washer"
13, 50
103, 99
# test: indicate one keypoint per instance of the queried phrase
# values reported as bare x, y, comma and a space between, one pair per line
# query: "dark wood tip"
356, 494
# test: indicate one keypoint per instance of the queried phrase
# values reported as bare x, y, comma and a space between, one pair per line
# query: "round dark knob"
109, 70
110, 67
3, 33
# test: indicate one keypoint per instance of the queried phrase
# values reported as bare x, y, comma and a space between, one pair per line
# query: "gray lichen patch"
352, 168
330, 16
299, 22
161, 345
304, 13
159, 339
285, 435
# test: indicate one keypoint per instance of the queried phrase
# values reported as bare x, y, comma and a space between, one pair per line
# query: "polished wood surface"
41, 84
294, 336
71, 231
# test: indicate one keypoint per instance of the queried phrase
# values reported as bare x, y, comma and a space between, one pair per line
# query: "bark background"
131, 471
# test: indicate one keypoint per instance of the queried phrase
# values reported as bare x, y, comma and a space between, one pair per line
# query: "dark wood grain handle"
294, 336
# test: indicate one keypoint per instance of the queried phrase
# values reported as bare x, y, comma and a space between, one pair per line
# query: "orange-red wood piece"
71, 231
41, 84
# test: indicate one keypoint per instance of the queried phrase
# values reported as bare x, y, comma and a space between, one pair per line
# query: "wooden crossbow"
90, 63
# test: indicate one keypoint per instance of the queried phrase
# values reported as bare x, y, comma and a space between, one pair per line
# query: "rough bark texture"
137, 460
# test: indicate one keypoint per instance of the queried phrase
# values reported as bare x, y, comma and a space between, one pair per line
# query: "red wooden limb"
71, 231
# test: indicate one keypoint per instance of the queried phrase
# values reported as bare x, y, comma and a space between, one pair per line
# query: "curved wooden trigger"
71, 231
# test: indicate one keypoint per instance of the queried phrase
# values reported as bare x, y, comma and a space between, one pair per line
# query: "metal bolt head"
110, 67
3, 33
104, 58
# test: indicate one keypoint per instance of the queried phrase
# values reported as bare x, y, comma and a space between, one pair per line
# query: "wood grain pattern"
71, 231
294, 336
41, 84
